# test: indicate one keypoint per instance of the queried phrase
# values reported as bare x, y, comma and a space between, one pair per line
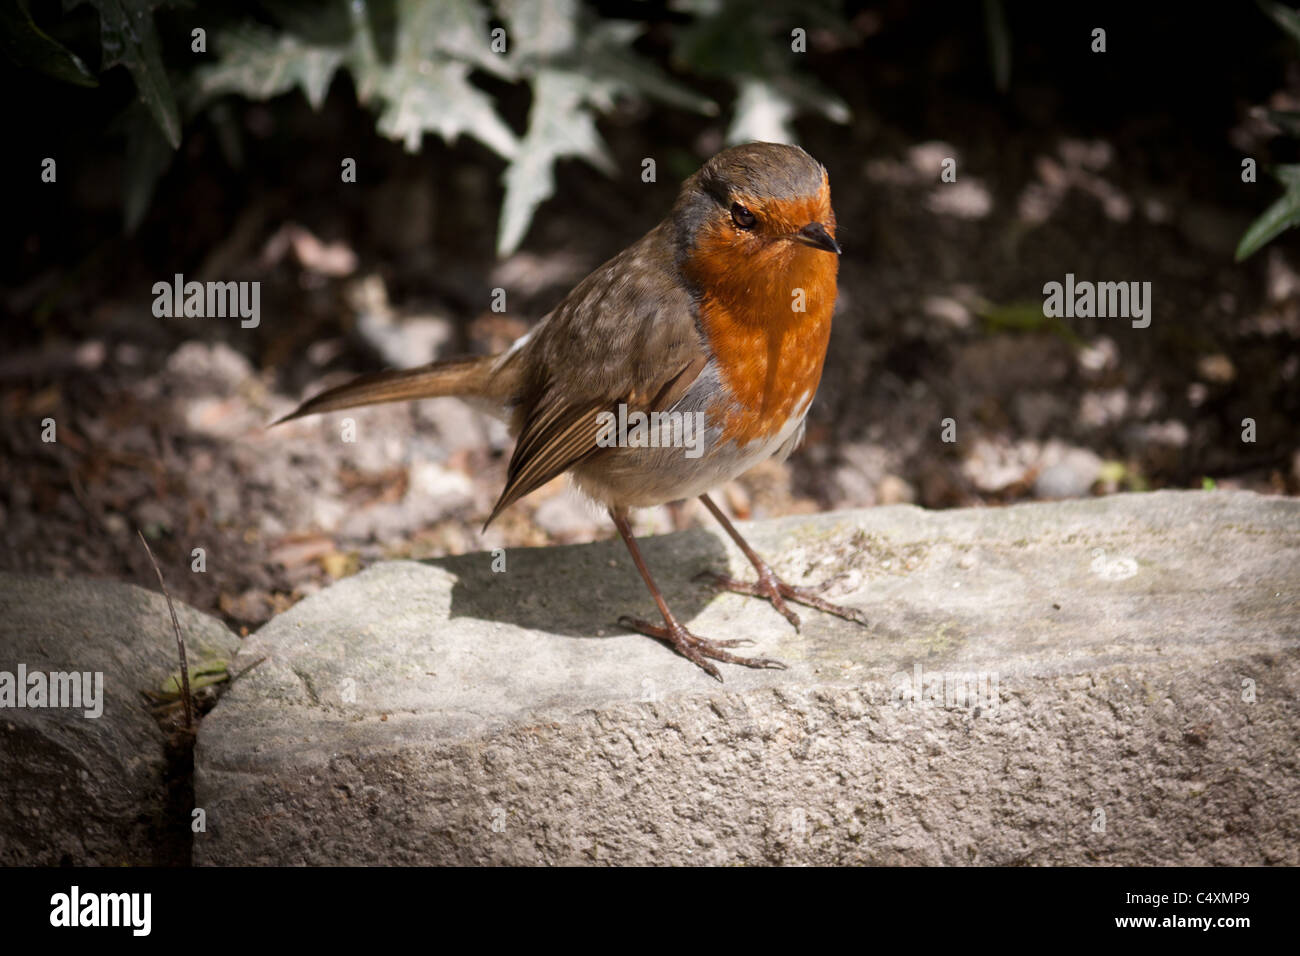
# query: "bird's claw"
698, 650
772, 588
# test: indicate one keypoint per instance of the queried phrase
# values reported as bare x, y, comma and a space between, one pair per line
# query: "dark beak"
814, 234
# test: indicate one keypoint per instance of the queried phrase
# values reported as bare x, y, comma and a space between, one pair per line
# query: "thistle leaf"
259, 63
433, 97
425, 91
559, 124
540, 29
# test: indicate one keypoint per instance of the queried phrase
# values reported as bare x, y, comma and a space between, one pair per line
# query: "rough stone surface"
78, 790
1119, 685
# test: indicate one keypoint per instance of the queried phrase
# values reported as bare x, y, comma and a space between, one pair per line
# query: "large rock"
89, 790
1117, 683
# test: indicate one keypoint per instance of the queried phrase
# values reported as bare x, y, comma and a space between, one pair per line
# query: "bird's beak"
814, 234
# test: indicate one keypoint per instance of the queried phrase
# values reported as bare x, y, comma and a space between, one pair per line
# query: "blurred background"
503, 146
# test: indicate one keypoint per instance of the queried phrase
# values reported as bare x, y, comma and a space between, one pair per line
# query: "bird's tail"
486, 378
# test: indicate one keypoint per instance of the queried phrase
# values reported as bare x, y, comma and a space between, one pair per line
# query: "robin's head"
758, 210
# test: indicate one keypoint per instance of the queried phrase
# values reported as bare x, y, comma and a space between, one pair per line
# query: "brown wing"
627, 334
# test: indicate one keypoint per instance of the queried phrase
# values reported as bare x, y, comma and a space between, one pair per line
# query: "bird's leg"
769, 585
695, 649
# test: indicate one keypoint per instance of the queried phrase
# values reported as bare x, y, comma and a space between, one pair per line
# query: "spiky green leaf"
129, 38
26, 44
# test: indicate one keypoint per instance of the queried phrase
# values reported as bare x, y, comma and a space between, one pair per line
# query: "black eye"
742, 217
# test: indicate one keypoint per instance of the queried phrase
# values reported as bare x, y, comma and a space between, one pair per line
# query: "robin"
720, 315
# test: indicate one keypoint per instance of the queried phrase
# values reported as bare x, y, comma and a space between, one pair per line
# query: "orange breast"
769, 355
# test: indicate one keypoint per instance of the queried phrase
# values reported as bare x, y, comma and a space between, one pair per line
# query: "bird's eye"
742, 217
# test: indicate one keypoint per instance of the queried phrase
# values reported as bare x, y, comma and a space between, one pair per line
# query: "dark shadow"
578, 590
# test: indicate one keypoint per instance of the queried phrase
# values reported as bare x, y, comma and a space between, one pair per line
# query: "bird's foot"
778, 592
698, 650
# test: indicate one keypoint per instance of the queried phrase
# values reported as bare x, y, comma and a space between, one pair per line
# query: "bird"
720, 316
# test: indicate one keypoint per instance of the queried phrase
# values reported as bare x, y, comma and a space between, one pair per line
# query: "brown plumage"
700, 316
